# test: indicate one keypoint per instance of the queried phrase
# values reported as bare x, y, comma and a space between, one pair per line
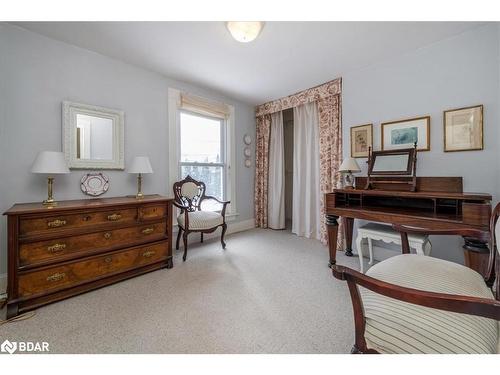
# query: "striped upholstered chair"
189, 195
414, 304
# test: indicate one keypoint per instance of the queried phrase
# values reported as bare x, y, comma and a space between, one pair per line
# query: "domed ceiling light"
244, 32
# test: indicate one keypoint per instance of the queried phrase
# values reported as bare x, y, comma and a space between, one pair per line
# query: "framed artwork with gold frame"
361, 140
463, 129
404, 133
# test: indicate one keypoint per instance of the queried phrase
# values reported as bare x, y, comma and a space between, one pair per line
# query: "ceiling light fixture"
244, 32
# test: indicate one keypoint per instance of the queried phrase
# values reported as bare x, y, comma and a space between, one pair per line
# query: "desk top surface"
417, 194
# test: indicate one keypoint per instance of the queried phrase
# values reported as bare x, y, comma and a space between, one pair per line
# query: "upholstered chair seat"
189, 197
394, 326
201, 220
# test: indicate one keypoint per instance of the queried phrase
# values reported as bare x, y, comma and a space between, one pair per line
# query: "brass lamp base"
139, 194
50, 201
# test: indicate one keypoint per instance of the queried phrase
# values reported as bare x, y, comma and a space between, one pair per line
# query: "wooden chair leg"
359, 246
370, 250
201, 237
178, 238
185, 239
224, 228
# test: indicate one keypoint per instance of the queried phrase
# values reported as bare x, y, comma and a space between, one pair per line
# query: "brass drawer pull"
107, 235
114, 217
56, 277
108, 259
56, 223
56, 248
148, 254
147, 231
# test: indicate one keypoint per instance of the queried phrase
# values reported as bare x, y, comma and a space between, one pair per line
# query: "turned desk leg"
476, 254
348, 223
333, 227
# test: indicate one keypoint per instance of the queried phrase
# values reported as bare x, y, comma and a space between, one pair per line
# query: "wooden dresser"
80, 245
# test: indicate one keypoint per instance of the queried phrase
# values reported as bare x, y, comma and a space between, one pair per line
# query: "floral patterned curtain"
330, 155
263, 134
328, 98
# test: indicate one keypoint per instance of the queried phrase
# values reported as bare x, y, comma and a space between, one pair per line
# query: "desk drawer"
78, 272
56, 222
52, 250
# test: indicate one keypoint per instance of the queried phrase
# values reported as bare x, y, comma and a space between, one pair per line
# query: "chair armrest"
488, 308
216, 199
224, 203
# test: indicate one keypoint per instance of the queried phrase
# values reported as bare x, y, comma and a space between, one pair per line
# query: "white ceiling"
287, 57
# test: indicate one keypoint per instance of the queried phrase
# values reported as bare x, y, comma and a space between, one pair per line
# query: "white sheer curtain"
276, 186
306, 218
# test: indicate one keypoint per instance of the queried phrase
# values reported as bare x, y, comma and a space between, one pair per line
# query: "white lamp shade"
349, 165
50, 162
244, 32
140, 164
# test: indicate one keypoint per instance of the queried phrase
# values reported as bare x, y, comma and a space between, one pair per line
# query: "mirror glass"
94, 137
391, 163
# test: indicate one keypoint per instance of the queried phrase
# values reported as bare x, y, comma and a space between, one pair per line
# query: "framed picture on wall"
361, 140
463, 129
404, 134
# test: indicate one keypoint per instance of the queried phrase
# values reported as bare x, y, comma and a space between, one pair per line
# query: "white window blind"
204, 106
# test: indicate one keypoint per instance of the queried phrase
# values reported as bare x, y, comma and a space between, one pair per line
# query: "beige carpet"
268, 292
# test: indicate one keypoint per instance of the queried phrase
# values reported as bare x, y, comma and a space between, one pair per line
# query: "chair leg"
428, 248
224, 228
201, 237
360, 252
178, 238
370, 250
185, 240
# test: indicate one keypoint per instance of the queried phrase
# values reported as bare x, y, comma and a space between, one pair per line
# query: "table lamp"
348, 166
140, 165
50, 163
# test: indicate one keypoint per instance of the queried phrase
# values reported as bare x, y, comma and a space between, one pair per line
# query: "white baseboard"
232, 227
3, 285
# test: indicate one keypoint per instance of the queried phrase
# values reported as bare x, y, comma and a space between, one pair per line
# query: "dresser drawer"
52, 250
53, 223
78, 272
152, 212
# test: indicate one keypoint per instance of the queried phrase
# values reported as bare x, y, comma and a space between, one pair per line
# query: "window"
202, 144
202, 152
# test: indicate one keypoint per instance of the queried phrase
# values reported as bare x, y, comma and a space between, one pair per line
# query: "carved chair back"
189, 193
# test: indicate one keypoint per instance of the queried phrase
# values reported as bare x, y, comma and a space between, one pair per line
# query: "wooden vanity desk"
437, 203
79, 245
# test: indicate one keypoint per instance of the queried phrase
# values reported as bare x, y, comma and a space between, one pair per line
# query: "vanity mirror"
400, 164
93, 137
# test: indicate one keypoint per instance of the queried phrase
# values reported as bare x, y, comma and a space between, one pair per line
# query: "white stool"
381, 232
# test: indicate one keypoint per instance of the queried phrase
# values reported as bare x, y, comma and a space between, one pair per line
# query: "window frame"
173, 111
223, 147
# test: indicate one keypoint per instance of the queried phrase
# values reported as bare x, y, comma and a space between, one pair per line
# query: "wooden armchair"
188, 197
414, 304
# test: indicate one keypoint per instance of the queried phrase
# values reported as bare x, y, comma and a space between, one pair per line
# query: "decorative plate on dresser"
80, 245
94, 184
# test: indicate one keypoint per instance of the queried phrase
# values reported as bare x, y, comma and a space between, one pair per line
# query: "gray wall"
460, 71
38, 73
